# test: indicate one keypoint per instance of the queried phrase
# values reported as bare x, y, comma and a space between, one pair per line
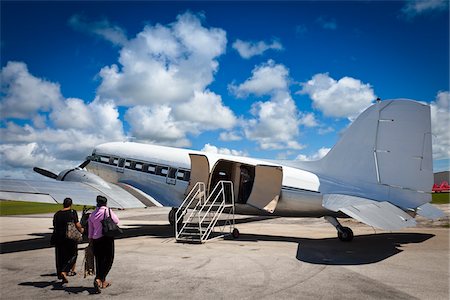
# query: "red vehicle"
443, 187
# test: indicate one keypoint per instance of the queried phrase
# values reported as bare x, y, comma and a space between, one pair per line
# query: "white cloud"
440, 124
157, 125
61, 141
164, 64
316, 156
325, 130
207, 110
103, 28
275, 125
275, 122
230, 136
343, 98
308, 120
413, 8
213, 149
249, 49
265, 79
24, 95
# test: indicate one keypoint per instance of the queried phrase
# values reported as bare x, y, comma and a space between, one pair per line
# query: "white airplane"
380, 173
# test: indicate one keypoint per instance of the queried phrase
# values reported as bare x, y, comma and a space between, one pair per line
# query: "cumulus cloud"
207, 110
157, 125
230, 136
266, 78
308, 120
249, 49
343, 98
413, 8
213, 149
24, 95
103, 29
440, 124
275, 123
164, 64
316, 156
62, 132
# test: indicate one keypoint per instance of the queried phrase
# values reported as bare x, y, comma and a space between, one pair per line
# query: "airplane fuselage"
163, 173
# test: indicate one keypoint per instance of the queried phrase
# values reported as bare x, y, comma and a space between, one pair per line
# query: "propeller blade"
84, 164
45, 173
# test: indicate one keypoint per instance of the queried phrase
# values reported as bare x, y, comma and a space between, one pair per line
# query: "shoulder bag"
109, 228
72, 232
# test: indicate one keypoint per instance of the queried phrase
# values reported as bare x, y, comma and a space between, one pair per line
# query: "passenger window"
138, 166
151, 169
180, 175
115, 161
128, 164
104, 159
162, 171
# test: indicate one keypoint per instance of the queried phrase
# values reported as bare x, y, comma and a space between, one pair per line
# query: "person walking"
65, 249
103, 246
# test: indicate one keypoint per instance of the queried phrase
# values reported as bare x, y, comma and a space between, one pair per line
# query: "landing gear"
345, 234
235, 233
171, 216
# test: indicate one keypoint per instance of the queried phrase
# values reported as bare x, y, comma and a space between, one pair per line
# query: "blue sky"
264, 79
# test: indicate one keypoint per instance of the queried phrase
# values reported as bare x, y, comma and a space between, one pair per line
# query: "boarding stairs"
198, 218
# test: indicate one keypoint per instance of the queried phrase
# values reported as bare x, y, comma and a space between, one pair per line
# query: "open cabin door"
199, 171
266, 187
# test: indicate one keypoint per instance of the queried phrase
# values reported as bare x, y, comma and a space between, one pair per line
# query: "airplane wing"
82, 193
382, 215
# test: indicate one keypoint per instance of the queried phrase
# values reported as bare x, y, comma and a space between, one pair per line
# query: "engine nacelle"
79, 175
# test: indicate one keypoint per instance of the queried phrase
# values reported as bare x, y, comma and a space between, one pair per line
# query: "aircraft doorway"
241, 175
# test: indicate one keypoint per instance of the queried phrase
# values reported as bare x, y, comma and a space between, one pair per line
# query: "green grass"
8, 208
440, 198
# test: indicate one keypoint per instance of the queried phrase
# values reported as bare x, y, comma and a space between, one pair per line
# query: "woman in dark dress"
65, 249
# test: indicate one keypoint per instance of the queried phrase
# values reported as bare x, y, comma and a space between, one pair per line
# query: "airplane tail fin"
385, 154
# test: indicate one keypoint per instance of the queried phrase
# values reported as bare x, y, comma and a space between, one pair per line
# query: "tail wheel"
345, 234
171, 216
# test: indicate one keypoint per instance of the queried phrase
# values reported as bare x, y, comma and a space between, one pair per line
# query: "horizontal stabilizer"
57, 191
430, 212
377, 214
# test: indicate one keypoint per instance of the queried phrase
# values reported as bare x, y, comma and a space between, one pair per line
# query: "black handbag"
109, 228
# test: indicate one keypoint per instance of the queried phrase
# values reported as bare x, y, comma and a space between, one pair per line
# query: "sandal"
106, 284
70, 273
96, 287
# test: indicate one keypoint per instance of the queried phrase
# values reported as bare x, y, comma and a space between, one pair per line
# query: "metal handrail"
203, 209
197, 190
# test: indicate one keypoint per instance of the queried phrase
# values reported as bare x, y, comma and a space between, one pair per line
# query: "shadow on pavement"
364, 249
159, 230
58, 286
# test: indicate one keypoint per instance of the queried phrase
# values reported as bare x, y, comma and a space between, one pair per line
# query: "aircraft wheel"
171, 216
235, 233
346, 235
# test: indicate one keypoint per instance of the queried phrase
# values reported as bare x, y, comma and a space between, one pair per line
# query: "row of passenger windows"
166, 171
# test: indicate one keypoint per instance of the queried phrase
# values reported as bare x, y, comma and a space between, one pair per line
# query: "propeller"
45, 173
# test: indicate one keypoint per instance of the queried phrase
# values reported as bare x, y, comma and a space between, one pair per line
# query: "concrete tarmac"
274, 258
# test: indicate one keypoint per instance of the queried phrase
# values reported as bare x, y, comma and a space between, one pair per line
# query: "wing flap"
81, 193
377, 214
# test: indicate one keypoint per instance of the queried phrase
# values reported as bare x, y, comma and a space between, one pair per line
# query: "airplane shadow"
58, 286
364, 249
163, 231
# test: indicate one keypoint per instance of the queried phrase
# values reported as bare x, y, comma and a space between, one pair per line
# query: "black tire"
171, 216
235, 233
346, 235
